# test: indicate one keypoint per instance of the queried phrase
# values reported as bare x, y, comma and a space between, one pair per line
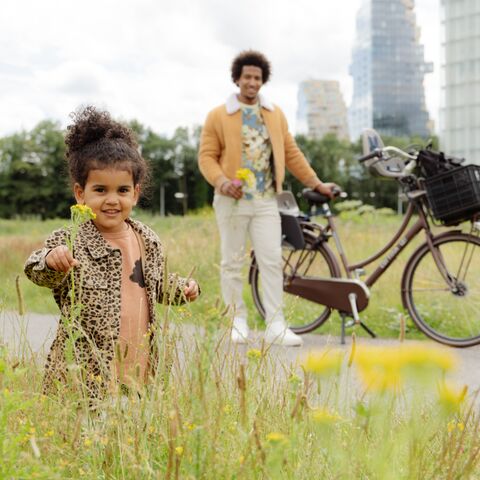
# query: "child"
118, 264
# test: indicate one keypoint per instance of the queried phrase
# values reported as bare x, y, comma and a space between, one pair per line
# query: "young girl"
118, 263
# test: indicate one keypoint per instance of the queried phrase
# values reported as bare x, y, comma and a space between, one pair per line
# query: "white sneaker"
239, 330
279, 334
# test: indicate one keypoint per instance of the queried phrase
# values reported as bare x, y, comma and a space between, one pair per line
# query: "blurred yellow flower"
276, 437
324, 363
246, 176
323, 416
385, 368
254, 354
179, 451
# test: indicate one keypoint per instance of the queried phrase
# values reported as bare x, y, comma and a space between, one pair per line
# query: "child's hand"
191, 291
60, 259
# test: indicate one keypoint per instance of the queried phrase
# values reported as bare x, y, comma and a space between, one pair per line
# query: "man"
249, 132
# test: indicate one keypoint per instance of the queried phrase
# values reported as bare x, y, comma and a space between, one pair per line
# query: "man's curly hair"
250, 58
96, 141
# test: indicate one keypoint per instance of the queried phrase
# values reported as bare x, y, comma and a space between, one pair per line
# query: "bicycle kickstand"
352, 298
342, 336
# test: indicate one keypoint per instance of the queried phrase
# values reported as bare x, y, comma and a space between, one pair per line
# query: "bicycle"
440, 286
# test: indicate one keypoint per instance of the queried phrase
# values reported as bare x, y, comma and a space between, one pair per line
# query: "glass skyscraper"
460, 79
388, 67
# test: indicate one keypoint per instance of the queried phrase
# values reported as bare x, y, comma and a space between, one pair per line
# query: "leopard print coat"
95, 323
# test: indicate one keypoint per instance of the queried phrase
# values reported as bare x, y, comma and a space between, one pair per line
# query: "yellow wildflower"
241, 459
276, 437
245, 175
254, 354
385, 368
324, 363
323, 416
179, 451
82, 213
87, 442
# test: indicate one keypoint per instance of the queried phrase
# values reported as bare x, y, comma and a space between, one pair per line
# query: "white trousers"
259, 218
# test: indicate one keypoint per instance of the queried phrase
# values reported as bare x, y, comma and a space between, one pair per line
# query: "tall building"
460, 79
388, 67
321, 109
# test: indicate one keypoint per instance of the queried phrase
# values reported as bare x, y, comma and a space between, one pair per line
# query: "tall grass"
217, 412
214, 411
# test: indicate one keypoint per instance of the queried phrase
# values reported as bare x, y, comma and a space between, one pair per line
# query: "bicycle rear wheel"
448, 312
301, 315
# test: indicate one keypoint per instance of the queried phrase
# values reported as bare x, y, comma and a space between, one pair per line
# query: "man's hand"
60, 259
329, 189
191, 291
232, 188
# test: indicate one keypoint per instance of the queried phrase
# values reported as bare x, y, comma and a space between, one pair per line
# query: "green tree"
33, 180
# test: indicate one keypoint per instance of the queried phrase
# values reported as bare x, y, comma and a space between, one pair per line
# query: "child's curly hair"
96, 141
250, 58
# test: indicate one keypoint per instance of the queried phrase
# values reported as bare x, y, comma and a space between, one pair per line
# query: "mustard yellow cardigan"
220, 149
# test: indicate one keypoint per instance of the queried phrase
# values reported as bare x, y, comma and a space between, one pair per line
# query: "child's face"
111, 195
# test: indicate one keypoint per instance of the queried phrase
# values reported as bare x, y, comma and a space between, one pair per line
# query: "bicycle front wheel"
447, 311
301, 315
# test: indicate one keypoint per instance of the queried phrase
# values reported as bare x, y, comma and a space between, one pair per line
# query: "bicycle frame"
394, 251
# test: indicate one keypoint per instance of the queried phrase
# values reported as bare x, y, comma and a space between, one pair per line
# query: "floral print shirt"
256, 152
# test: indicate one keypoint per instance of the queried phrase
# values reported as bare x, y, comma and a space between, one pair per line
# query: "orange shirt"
133, 340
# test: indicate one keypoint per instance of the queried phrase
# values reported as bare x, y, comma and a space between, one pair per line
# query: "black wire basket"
454, 196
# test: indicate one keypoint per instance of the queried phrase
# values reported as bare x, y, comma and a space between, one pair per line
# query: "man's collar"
233, 105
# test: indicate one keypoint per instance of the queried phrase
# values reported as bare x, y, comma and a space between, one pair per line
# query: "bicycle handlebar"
376, 153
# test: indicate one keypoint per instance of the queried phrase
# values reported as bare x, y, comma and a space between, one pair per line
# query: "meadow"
214, 411
192, 242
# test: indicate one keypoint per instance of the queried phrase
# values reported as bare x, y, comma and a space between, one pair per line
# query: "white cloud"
167, 63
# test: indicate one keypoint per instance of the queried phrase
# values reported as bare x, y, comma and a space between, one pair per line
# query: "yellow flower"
87, 442
245, 175
179, 451
324, 363
254, 354
276, 437
49, 433
385, 368
323, 416
82, 213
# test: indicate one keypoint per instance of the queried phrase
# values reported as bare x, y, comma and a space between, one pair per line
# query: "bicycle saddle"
314, 197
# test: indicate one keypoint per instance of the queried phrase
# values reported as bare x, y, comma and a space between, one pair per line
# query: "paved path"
39, 330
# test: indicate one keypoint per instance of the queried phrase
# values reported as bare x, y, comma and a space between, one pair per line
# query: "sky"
167, 63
